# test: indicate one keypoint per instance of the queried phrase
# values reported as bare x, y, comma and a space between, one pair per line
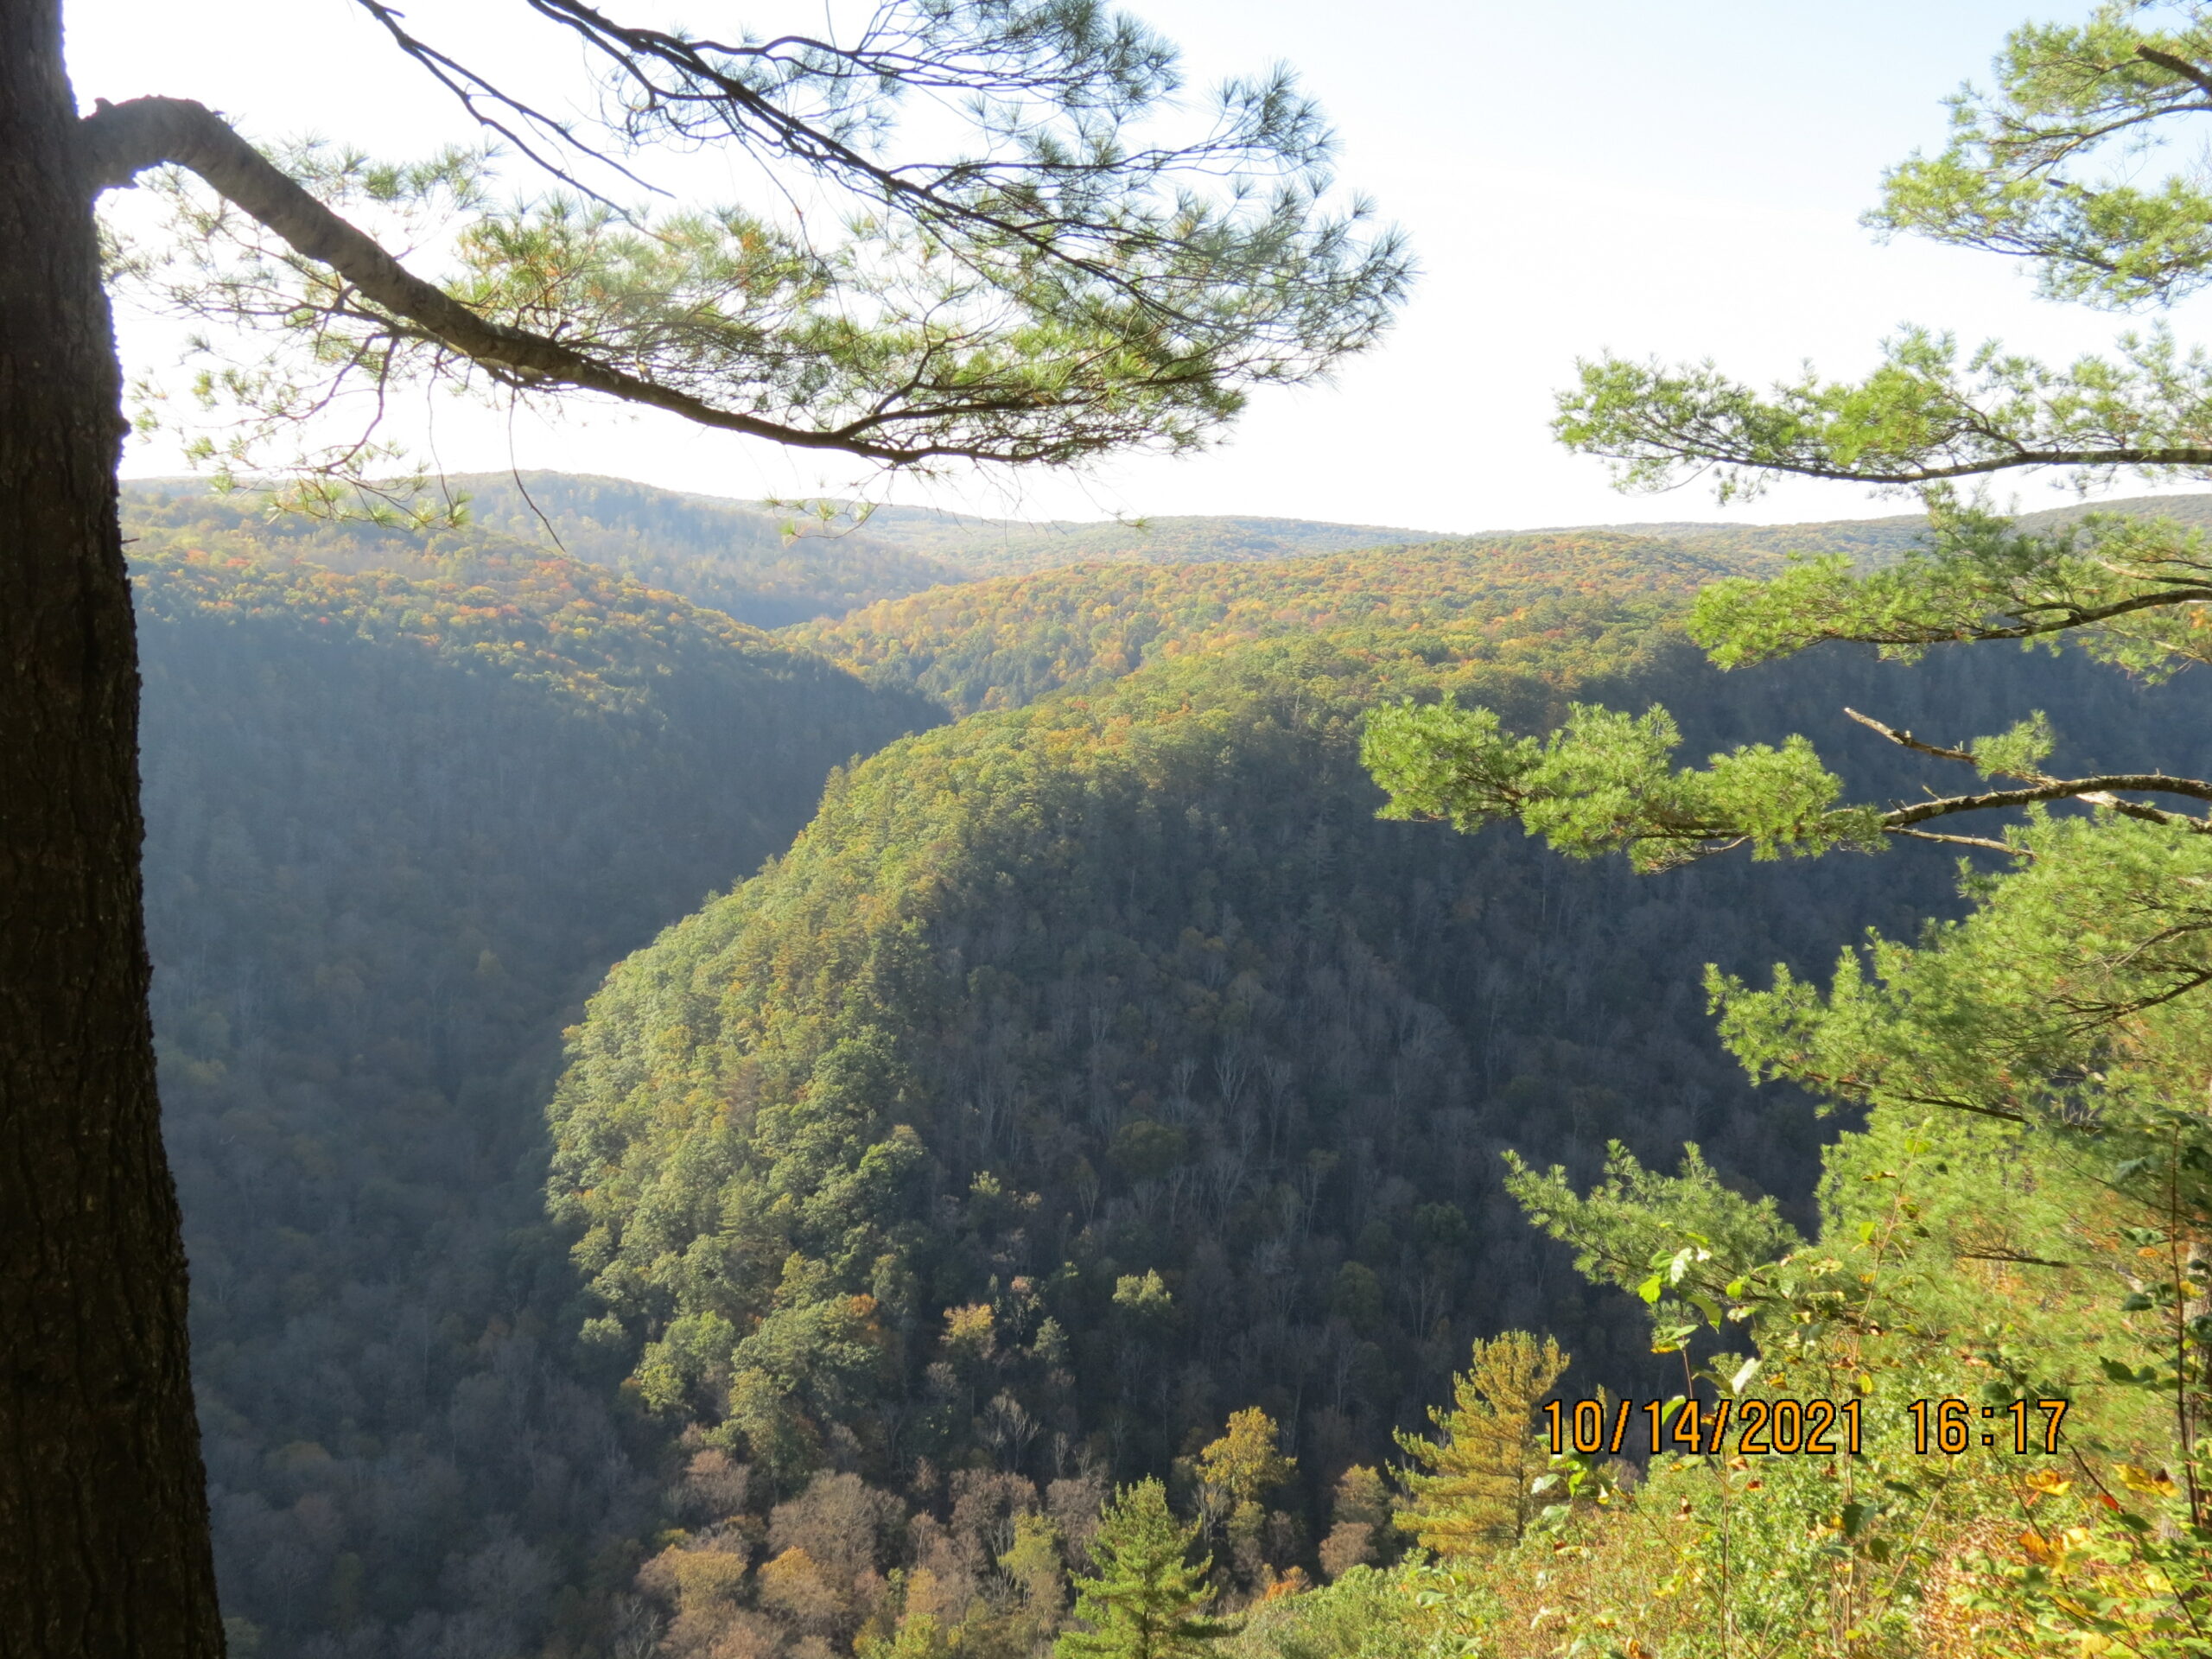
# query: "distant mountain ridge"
774, 566
1881, 539
731, 555
989, 547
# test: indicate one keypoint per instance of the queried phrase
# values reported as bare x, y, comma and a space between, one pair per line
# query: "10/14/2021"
1787, 1427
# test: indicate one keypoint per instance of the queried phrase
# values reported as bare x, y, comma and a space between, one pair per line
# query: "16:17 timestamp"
1948, 1425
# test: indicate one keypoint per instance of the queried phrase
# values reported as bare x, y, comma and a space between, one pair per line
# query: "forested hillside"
1002, 643
396, 830
1088, 1072
734, 557
775, 566
764, 564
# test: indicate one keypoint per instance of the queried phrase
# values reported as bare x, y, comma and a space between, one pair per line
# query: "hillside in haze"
1877, 541
989, 546
776, 566
734, 557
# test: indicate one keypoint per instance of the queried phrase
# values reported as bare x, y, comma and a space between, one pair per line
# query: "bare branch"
2014, 1256
474, 90
1907, 741
701, 87
1982, 841
2098, 791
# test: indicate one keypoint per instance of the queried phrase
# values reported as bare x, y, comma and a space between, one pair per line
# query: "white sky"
1681, 179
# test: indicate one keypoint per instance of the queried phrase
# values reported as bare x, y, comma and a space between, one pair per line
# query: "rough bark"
104, 1543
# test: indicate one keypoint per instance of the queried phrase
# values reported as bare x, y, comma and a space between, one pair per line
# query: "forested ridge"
776, 566
1882, 541
1005, 642
744, 560
987, 547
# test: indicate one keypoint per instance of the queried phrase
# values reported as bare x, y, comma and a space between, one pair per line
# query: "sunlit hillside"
1000, 643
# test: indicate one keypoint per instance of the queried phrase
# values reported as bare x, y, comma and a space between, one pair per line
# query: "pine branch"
2169, 455
1982, 841
120, 140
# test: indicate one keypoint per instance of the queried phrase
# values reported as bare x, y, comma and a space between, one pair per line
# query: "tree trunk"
103, 1546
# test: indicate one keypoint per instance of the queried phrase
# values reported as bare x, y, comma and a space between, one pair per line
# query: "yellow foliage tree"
1238, 1471
1247, 1462
1473, 1489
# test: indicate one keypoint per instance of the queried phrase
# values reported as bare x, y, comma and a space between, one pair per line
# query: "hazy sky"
1683, 180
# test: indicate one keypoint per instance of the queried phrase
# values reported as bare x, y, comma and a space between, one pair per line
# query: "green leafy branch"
1603, 782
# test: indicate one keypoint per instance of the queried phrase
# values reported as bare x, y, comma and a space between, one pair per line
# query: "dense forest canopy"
1090, 1073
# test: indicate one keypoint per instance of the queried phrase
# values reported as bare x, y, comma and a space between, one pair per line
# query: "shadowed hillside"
1091, 1070
397, 829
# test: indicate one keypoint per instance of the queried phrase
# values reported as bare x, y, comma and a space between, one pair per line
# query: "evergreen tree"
1474, 1491
2032, 1077
1146, 1600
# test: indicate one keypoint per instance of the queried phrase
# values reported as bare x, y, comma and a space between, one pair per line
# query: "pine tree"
1147, 1600
2059, 1033
1057, 289
1475, 1490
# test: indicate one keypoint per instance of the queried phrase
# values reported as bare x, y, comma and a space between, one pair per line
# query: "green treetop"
1473, 1489
1146, 1600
